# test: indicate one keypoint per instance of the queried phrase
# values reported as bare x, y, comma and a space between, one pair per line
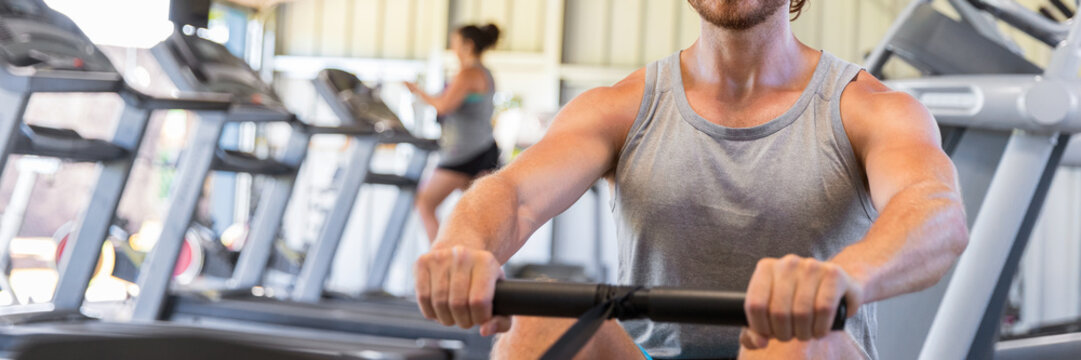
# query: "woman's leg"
433, 192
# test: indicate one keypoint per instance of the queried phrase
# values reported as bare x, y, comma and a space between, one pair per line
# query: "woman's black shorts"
483, 162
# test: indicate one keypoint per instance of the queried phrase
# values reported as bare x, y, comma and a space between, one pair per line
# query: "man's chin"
730, 18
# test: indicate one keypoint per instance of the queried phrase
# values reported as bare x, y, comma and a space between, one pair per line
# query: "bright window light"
127, 23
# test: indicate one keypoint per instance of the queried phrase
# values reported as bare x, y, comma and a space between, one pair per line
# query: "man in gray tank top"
745, 162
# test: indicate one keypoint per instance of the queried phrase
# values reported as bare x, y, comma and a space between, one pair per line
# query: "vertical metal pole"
157, 270
15, 213
266, 223
91, 229
993, 233
317, 264
392, 235
12, 108
983, 344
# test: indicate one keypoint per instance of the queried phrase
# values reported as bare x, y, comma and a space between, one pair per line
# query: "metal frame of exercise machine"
30, 19
1034, 113
77, 66
356, 105
200, 65
204, 154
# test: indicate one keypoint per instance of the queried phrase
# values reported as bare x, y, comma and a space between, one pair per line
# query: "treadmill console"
34, 35
365, 108
207, 66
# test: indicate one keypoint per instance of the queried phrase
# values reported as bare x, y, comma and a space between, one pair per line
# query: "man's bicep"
577, 150
898, 167
903, 149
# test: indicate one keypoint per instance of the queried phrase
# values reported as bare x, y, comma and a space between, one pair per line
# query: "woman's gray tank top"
698, 204
467, 132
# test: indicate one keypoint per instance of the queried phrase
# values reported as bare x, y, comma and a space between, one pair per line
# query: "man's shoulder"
872, 112
629, 89
619, 100
867, 97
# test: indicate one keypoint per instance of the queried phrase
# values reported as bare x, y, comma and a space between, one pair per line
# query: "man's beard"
736, 14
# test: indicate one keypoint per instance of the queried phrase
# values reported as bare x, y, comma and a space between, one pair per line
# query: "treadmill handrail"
1039, 27
195, 101
29, 79
406, 138
248, 112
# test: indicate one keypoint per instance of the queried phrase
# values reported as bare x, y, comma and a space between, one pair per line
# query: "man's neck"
740, 63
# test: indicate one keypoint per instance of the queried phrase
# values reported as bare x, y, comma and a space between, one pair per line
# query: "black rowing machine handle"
661, 304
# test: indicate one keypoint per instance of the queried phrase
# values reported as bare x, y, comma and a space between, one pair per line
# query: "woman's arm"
453, 96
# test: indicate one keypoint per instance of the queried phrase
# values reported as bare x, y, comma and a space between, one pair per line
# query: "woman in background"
465, 108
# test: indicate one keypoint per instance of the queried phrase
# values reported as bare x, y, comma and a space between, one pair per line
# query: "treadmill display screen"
363, 106
218, 70
34, 35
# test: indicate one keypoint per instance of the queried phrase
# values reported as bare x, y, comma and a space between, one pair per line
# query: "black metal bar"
662, 304
1061, 6
1047, 14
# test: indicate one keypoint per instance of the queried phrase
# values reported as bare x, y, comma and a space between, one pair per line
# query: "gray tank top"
467, 132
698, 204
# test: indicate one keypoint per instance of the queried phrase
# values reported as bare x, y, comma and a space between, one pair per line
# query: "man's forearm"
917, 237
486, 217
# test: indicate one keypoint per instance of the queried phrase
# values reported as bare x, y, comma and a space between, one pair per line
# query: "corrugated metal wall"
596, 42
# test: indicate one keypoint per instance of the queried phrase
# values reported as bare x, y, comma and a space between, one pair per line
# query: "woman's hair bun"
491, 31
483, 37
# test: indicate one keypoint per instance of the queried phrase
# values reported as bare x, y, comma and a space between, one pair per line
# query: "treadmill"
197, 64
1006, 125
43, 51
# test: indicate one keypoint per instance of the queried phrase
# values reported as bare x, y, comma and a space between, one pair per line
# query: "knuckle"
822, 310
801, 315
787, 263
755, 307
778, 315
458, 304
479, 302
832, 270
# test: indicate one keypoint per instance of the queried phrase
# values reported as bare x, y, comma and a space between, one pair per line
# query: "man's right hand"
455, 286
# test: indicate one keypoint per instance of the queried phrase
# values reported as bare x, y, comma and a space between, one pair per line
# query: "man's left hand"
795, 298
